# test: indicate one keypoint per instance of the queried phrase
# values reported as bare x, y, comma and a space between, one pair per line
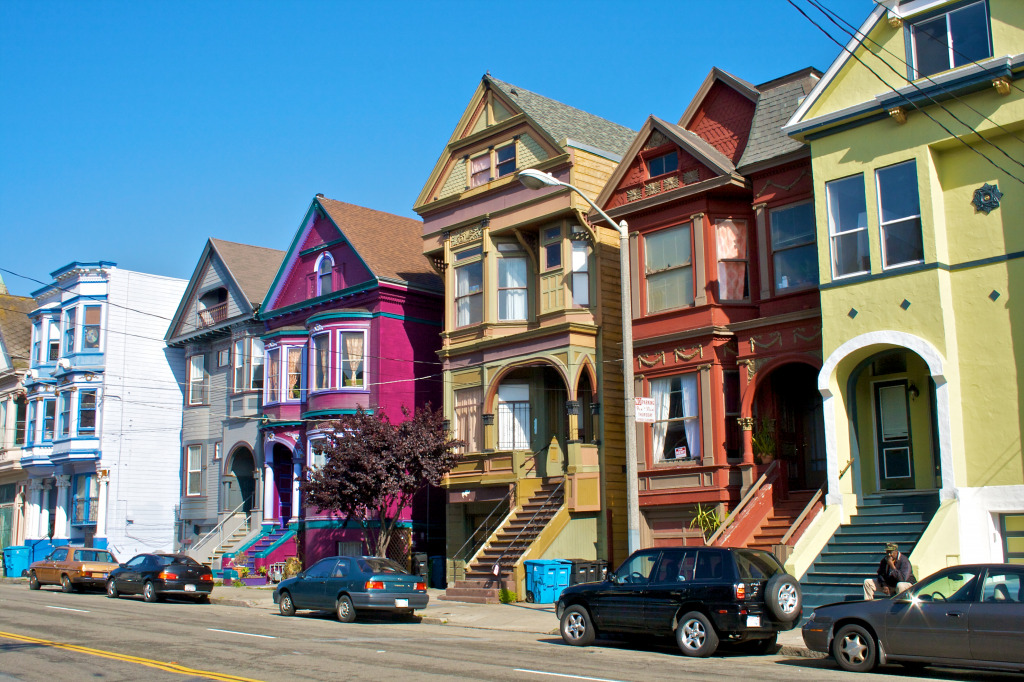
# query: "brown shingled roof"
253, 267
390, 245
16, 328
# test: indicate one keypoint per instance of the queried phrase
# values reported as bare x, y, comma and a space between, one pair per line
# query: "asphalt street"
48, 636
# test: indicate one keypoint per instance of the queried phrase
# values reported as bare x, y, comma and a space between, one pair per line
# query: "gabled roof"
252, 267
779, 99
563, 122
16, 329
716, 74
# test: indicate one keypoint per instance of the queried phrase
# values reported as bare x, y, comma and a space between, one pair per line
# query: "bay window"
69, 331
273, 375
54, 341
37, 343
353, 351
30, 431
293, 381
85, 499
954, 38
514, 416
65, 413
87, 412
731, 241
321, 354
794, 256
469, 283
580, 274
20, 407
194, 470
668, 268
552, 237
197, 380
248, 366
899, 212
317, 458
468, 402
848, 226
49, 414
675, 434
91, 327
512, 287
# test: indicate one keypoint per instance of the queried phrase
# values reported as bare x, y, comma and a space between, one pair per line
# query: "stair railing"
530, 524
803, 515
770, 471
458, 555
218, 530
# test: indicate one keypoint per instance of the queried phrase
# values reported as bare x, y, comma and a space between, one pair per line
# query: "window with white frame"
468, 425
514, 416
194, 470
91, 327
848, 226
273, 382
469, 287
53, 341
3, 423
197, 380
248, 364
87, 412
37, 343
512, 286
675, 433
49, 416
731, 242
668, 268
794, 255
899, 212
85, 499
218, 448
65, 413
30, 430
293, 370
69, 331
353, 359
317, 456
320, 360
325, 275
223, 357
953, 38
580, 273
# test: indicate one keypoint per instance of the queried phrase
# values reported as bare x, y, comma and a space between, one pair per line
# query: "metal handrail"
529, 524
220, 526
746, 498
472, 535
803, 514
846, 468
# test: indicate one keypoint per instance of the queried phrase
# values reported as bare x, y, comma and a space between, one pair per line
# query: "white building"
103, 424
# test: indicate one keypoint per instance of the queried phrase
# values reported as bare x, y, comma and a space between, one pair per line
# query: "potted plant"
763, 442
706, 518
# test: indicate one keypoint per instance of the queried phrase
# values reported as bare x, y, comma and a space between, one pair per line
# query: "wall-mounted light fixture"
912, 391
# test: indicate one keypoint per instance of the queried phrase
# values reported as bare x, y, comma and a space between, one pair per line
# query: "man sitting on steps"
893, 576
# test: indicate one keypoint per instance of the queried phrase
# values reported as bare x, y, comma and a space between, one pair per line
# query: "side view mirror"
613, 578
120, 565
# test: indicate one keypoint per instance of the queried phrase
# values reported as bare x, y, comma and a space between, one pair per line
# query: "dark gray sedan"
963, 616
347, 584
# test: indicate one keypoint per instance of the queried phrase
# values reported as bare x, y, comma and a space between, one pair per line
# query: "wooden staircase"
506, 546
783, 515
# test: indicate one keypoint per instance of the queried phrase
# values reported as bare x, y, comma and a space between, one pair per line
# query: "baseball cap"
892, 547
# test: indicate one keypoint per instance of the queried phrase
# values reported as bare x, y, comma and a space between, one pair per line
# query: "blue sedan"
349, 584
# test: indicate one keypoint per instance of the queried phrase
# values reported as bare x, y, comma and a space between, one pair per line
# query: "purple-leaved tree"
373, 468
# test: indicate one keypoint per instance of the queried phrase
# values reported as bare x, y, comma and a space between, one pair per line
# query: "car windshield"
377, 565
754, 565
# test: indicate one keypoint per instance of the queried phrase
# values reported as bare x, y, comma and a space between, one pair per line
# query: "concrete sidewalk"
520, 617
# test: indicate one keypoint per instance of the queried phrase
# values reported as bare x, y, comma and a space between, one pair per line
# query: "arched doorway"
787, 410
242, 490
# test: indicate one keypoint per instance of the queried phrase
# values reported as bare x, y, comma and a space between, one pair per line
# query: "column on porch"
60, 521
296, 478
43, 529
103, 476
35, 488
269, 513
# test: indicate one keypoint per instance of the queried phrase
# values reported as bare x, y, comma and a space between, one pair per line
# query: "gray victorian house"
221, 461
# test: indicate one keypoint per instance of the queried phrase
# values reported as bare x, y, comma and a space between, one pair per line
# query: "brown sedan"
72, 568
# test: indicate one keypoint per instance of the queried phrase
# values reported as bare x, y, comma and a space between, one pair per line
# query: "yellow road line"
160, 665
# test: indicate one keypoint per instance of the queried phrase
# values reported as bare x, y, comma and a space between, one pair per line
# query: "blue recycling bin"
438, 568
545, 579
16, 560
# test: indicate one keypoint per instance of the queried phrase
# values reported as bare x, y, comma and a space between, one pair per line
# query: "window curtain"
294, 373
256, 369
732, 274
480, 170
512, 283
513, 416
273, 376
661, 392
354, 353
467, 417
323, 347
580, 275
468, 283
688, 386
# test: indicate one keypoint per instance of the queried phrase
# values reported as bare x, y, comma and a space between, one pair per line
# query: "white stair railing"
216, 536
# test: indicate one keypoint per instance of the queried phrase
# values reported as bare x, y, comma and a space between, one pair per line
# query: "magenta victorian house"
352, 320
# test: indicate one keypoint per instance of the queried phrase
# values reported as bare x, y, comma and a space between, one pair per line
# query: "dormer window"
324, 275
953, 38
492, 164
666, 163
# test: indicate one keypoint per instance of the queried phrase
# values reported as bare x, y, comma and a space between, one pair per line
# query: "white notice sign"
644, 410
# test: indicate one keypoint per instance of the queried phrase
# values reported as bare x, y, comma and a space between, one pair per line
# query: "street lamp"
535, 179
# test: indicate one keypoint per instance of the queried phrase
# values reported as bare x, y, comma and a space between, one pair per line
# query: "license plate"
402, 603
753, 621
192, 588
103, 575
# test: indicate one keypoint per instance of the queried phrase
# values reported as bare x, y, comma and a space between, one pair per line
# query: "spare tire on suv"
783, 598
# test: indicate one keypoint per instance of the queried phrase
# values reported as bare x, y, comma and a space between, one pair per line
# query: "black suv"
703, 595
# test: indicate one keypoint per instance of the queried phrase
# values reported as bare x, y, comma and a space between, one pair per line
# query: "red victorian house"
726, 315
352, 321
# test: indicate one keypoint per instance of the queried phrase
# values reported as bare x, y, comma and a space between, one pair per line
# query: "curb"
799, 652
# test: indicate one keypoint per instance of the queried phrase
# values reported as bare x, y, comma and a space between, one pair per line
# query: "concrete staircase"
854, 551
229, 546
506, 546
784, 513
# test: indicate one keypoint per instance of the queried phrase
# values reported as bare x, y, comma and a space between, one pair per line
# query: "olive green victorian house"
531, 352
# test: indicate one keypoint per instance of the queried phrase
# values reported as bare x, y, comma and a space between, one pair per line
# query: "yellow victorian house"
917, 141
531, 354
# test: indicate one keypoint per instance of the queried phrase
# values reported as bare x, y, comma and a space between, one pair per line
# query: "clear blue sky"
133, 131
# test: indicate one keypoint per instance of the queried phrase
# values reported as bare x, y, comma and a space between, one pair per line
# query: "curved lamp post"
535, 179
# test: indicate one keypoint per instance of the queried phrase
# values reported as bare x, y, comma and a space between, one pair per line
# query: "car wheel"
530, 598
66, 585
696, 636
760, 647
344, 609
286, 605
854, 649
149, 593
33, 581
576, 627
112, 589
783, 597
